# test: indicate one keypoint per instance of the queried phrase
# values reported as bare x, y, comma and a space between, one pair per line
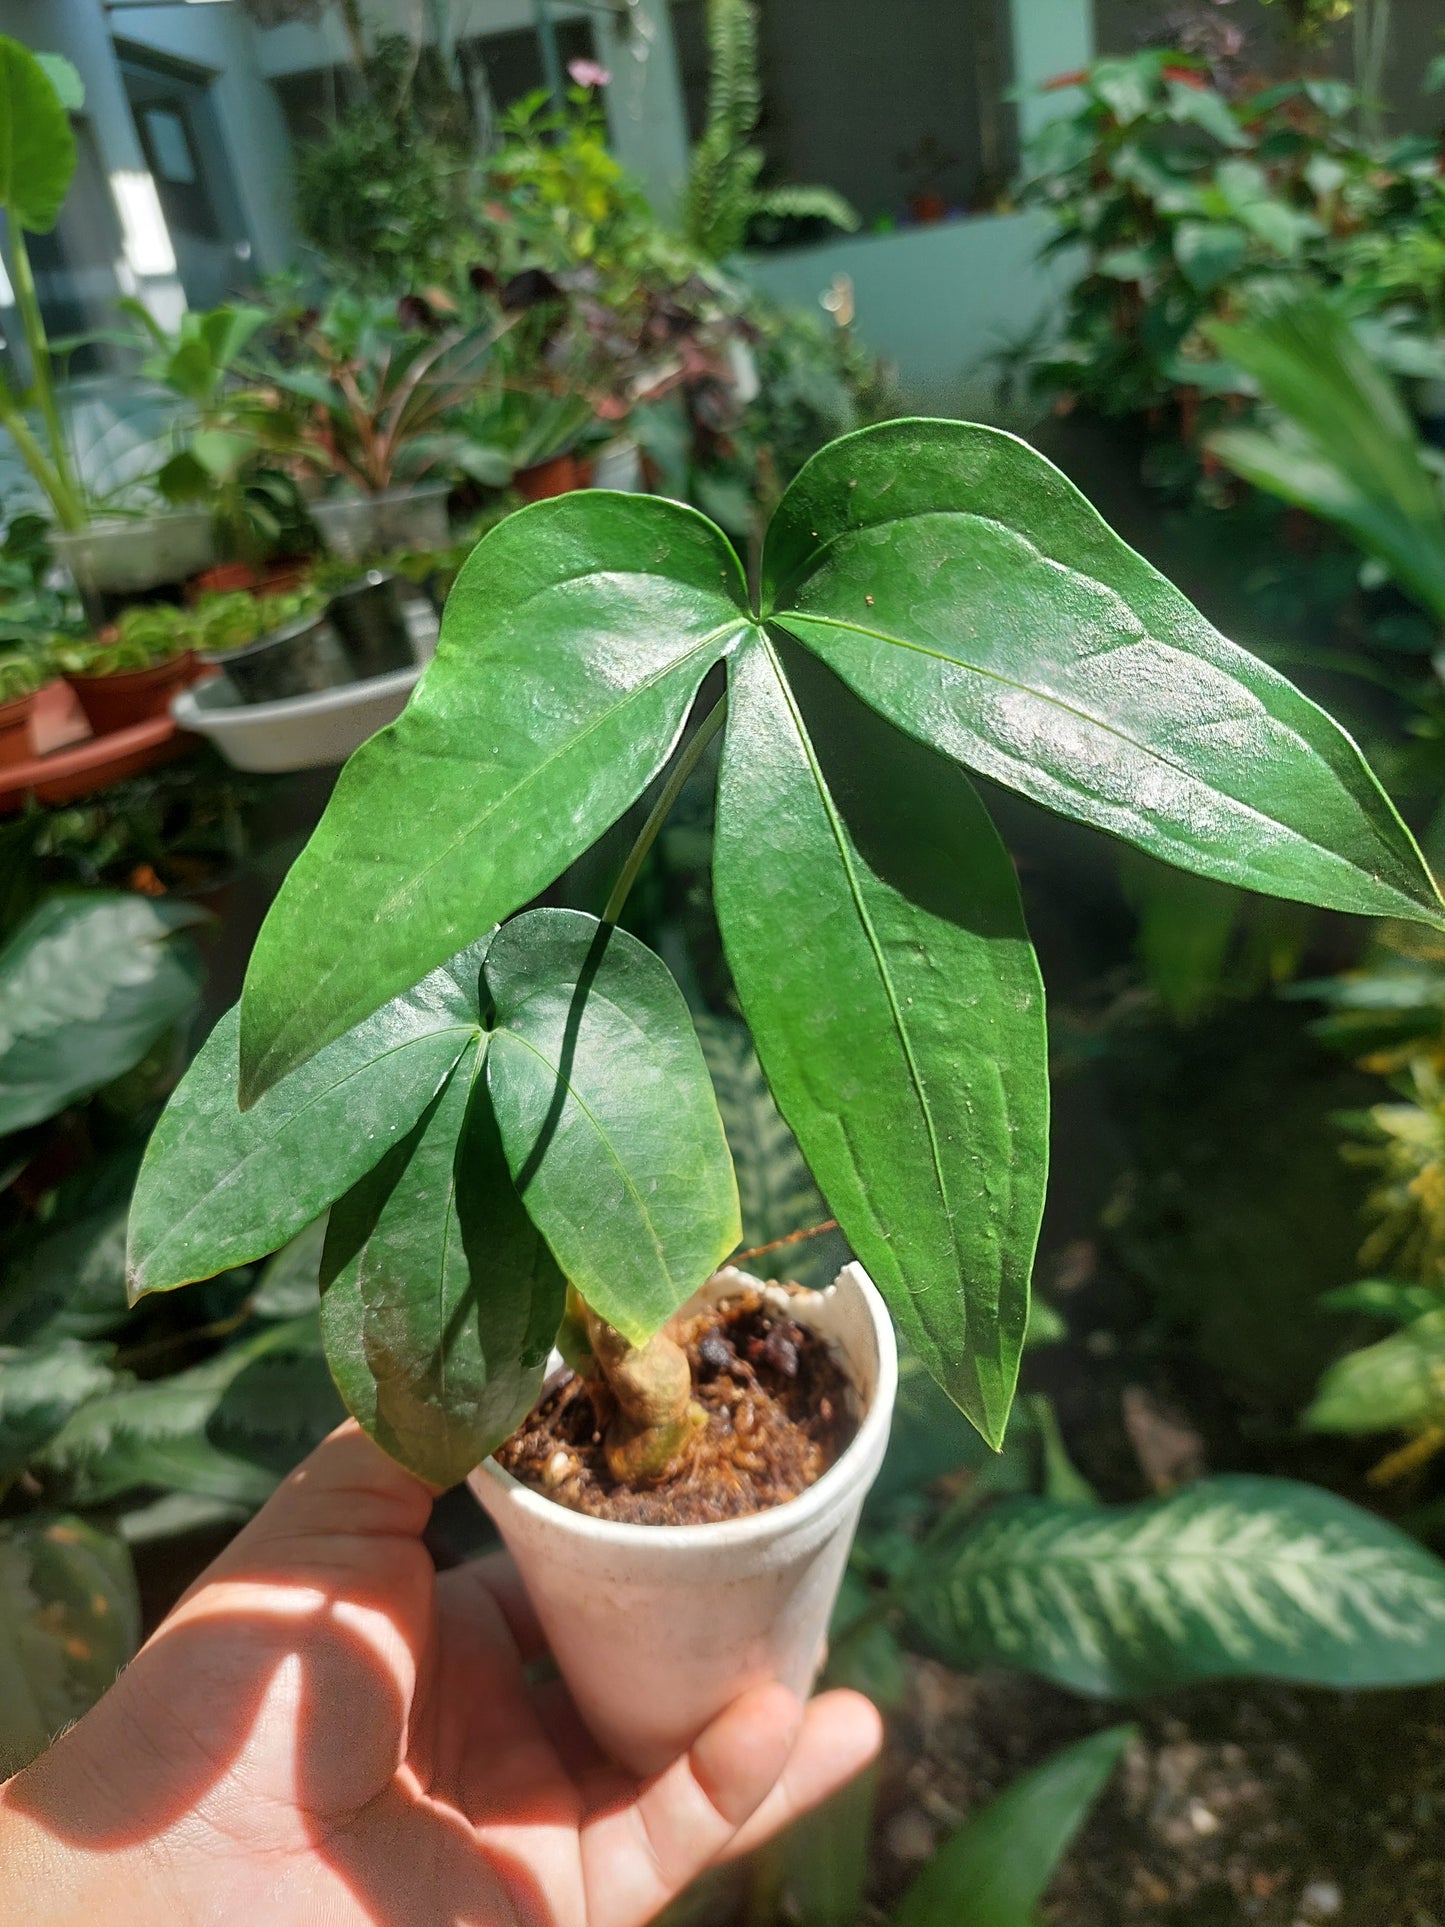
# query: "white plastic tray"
305, 732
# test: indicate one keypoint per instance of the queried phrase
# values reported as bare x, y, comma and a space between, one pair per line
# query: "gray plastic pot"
657, 1629
120, 557
371, 622
355, 526
298, 660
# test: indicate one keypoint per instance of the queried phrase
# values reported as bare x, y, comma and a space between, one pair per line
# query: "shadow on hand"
265, 1747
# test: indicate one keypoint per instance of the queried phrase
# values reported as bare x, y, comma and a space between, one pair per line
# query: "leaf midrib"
1080, 715
866, 922
407, 1043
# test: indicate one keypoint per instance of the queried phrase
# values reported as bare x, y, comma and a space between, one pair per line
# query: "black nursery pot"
295, 661
371, 622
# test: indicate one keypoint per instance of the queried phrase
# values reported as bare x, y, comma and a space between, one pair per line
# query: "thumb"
348, 1519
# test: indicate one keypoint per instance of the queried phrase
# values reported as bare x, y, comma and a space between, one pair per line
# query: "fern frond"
734, 92
809, 204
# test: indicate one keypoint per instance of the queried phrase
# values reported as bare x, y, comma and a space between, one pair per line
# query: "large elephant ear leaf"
440, 1299
608, 1116
37, 144
872, 922
964, 587
573, 644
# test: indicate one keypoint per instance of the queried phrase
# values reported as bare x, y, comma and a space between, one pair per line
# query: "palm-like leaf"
1347, 449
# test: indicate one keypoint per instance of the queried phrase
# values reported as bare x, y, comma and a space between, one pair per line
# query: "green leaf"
289, 1283
220, 1186
225, 1429
88, 985
1204, 108
875, 934
39, 1390
996, 1868
573, 644
1396, 1385
69, 87
1208, 252
70, 1284
1225, 1579
440, 1300
69, 1620
37, 146
824, 1856
775, 1187
1349, 451
609, 1121
967, 591
1387, 1298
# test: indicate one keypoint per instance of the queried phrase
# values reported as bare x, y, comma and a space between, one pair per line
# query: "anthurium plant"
498, 1102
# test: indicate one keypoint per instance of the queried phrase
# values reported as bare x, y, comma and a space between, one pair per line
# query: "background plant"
723, 198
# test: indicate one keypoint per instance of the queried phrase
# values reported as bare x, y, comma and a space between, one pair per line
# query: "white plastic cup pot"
657, 1629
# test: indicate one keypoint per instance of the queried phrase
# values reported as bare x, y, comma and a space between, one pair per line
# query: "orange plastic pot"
134, 695
15, 731
557, 477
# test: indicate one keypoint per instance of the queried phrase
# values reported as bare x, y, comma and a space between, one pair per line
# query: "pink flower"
589, 73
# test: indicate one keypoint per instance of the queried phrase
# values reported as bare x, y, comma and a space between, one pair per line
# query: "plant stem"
12, 418
65, 498
671, 789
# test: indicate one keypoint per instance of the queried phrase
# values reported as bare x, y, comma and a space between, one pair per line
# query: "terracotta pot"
657, 1628
927, 209
284, 578
134, 695
557, 477
15, 731
224, 579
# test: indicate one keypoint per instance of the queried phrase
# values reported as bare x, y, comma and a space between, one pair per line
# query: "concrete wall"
939, 302
221, 40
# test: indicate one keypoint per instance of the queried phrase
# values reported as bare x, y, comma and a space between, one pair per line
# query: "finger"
841, 1735
344, 1527
495, 1577
638, 1857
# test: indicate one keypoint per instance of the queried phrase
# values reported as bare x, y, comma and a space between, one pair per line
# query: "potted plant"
129, 672
270, 647
114, 557
220, 430
506, 1109
22, 675
363, 401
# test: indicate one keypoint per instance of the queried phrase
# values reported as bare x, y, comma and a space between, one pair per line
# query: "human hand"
323, 1733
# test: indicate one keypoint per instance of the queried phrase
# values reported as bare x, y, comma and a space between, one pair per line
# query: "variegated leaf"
1228, 1577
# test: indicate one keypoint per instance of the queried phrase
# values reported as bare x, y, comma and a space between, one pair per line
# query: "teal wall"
938, 302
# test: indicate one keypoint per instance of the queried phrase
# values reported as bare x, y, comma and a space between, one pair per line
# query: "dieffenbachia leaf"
963, 586
996, 1868
609, 1121
37, 144
873, 926
220, 1186
88, 985
1232, 1576
69, 1620
440, 1300
573, 644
